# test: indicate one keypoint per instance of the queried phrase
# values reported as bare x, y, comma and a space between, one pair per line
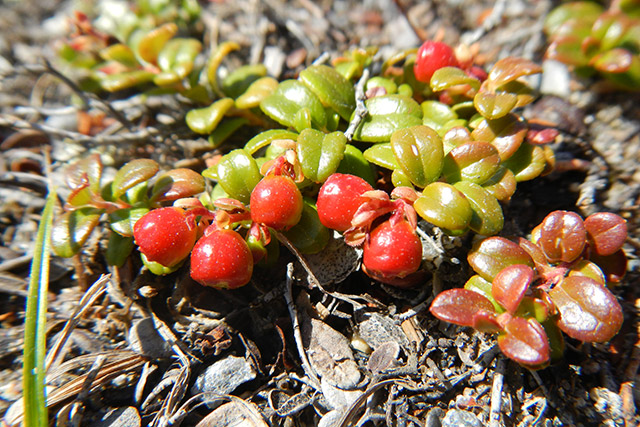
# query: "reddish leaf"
510, 285
588, 311
562, 236
613, 266
505, 133
490, 256
606, 231
509, 69
459, 306
485, 321
86, 172
526, 342
132, 174
177, 184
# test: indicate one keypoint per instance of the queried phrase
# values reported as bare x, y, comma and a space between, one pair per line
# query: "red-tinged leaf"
567, 49
176, 184
472, 161
526, 342
86, 172
485, 321
510, 285
613, 61
534, 252
490, 256
588, 311
132, 174
505, 134
613, 266
562, 236
509, 69
537, 136
72, 229
459, 306
606, 232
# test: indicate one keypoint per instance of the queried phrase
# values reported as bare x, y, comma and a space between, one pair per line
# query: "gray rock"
460, 418
224, 376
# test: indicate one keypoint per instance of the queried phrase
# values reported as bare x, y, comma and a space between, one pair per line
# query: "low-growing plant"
528, 291
593, 39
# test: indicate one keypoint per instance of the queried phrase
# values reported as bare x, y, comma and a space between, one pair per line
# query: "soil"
162, 350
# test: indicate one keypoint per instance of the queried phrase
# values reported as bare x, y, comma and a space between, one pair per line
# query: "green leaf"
527, 163
472, 161
393, 104
380, 128
176, 60
126, 80
579, 10
448, 77
85, 171
118, 249
35, 328
331, 87
309, 236
240, 79
225, 129
419, 152
120, 53
382, 155
354, 163
123, 220
289, 98
205, 120
215, 60
238, 173
444, 206
437, 113
494, 105
502, 184
72, 229
132, 174
487, 218
505, 134
477, 284
256, 92
152, 43
265, 138
320, 154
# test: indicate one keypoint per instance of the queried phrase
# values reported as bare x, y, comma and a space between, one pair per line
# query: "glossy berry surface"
431, 57
392, 250
276, 202
339, 198
165, 235
221, 259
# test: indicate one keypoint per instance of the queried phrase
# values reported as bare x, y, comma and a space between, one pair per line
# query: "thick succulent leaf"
265, 138
526, 342
502, 184
419, 152
606, 231
448, 77
588, 311
239, 80
489, 256
562, 236
510, 285
289, 98
320, 153
613, 61
85, 172
176, 60
494, 105
487, 218
225, 129
506, 134
152, 43
528, 162
455, 136
204, 120
123, 220
472, 161
309, 236
238, 173
380, 128
120, 53
444, 206
613, 266
536, 308
393, 104
80, 197
132, 174
72, 229
437, 112
118, 249
382, 155
587, 11
567, 49
477, 284
176, 184
509, 69
630, 79
588, 269
355, 163
256, 92
331, 87
487, 322
459, 306
215, 59
125, 80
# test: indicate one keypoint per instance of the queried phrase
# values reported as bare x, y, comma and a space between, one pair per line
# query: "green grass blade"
33, 374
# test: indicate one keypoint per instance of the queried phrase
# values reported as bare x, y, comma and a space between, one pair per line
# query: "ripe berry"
221, 259
165, 235
339, 198
431, 57
392, 250
276, 202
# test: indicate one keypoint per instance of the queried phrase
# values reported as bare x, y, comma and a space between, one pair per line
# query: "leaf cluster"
527, 291
596, 40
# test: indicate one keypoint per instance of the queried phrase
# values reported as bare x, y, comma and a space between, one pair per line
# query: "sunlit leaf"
72, 229
489, 256
132, 174
472, 161
510, 285
444, 206
487, 218
331, 87
525, 341
419, 152
177, 184
204, 120
562, 236
459, 306
319, 153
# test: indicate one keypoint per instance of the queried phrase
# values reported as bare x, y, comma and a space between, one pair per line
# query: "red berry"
221, 259
392, 250
165, 235
431, 57
276, 202
339, 198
